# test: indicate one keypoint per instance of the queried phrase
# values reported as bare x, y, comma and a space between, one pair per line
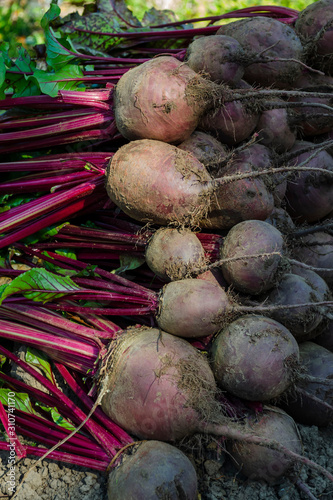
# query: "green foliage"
202, 8
39, 285
19, 22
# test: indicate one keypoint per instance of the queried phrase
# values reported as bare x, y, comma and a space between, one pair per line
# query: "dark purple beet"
231, 123
294, 289
218, 56
275, 130
267, 465
316, 250
307, 404
252, 237
254, 358
156, 470
309, 195
266, 37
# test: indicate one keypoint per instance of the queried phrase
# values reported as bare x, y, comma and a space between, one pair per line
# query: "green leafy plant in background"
202, 8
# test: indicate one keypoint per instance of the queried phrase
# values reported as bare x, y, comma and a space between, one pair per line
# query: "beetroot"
252, 237
310, 118
174, 253
231, 123
280, 219
218, 56
314, 25
254, 358
310, 194
247, 198
266, 464
161, 386
156, 470
192, 308
208, 150
268, 38
293, 289
156, 182
316, 250
312, 402
275, 129
160, 99
325, 337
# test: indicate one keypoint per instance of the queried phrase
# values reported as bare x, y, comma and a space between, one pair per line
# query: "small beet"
192, 308
252, 237
174, 253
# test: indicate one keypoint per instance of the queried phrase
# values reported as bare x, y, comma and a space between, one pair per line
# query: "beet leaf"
38, 284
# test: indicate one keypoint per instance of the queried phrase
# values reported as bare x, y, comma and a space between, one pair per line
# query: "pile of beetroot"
222, 192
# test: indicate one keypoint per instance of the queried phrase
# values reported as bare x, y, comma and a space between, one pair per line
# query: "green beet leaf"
39, 360
39, 285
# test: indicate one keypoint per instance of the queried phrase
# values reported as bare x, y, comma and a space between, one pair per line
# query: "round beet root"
247, 198
153, 181
311, 403
275, 130
174, 253
268, 38
192, 308
280, 219
160, 99
255, 358
309, 195
314, 25
261, 463
316, 250
160, 386
252, 237
156, 470
292, 290
208, 150
231, 123
218, 56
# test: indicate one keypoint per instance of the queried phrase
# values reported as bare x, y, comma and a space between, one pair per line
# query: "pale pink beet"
160, 99
192, 308
154, 391
173, 253
153, 181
